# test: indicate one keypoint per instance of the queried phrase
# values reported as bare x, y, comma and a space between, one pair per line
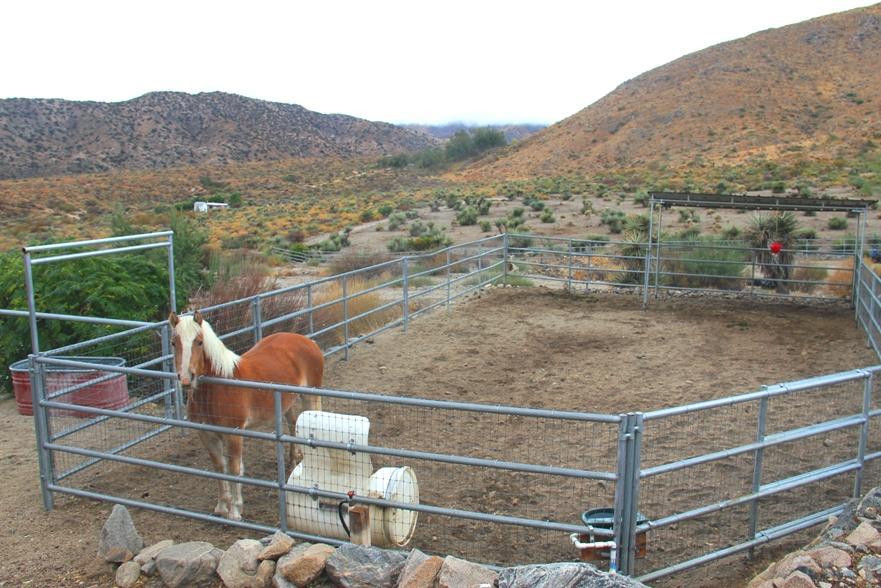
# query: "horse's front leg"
234, 444
295, 454
214, 444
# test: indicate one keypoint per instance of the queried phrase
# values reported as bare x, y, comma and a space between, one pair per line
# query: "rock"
455, 573
419, 570
871, 565
795, 562
189, 564
238, 566
149, 568
358, 566
280, 544
278, 580
304, 569
150, 553
118, 555
798, 580
562, 574
863, 535
265, 571
830, 556
119, 533
128, 574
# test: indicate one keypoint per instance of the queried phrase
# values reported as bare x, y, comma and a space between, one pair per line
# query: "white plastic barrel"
339, 470
393, 526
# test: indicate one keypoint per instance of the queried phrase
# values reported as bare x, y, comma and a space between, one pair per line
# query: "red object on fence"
775, 247
111, 394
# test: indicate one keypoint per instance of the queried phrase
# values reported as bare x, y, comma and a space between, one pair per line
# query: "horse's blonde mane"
222, 359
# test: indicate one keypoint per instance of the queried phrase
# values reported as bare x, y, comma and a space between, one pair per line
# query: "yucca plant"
766, 229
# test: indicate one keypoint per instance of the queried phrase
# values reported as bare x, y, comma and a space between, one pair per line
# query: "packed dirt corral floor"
521, 347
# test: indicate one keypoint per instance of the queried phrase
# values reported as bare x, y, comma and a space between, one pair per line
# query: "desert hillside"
811, 90
169, 129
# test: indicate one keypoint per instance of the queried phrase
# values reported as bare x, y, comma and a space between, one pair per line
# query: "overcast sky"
409, 61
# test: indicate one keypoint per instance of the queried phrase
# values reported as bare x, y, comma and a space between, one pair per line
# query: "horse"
282, 358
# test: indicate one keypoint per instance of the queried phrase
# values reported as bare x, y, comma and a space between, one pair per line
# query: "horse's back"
286, 358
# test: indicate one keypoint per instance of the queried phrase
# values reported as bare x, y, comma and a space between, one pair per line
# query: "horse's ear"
172, 318
198, 317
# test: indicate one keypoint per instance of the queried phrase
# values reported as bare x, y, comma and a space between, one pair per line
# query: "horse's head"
189, 350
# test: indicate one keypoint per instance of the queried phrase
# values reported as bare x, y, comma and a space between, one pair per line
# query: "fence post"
449, 283
505, 258
405, 298
256, 312
309, 306
569, 276
864, 435
345, 286
758, 462
172, 293
627, 490
280, 463
752, 275
172, 408
41, 429
648, 259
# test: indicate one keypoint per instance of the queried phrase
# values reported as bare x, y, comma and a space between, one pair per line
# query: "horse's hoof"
221, 510
234, 515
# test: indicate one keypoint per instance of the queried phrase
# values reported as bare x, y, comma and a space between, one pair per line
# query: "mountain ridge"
165, 129
808, 90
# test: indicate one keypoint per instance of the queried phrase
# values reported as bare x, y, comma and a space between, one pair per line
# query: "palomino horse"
283, 358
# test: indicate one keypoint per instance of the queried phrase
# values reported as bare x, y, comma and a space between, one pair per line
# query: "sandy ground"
527, 347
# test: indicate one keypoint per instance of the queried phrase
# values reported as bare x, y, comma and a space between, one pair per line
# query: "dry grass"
358, 304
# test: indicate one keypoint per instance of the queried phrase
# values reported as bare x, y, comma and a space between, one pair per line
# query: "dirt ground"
523, 347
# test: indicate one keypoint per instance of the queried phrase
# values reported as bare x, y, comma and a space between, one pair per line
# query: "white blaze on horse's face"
189, 358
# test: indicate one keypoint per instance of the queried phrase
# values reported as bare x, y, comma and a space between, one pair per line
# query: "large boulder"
119, 539
358, 566
189, 564
279, 544
278, 580
562, 575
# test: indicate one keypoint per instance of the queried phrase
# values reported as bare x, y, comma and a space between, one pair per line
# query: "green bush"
614, 219
719, 266
467, 216
485, 226
837, 223
547, 216
396, 220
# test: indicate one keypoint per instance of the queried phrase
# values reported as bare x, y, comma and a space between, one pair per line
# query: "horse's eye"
199, 343
174, 343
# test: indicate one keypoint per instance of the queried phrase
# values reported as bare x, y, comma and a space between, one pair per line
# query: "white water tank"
339, 470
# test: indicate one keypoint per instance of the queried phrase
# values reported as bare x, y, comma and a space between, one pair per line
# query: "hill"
162, 129
808, 91
513, 132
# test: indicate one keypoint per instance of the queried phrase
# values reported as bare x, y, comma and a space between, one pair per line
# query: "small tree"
769, 228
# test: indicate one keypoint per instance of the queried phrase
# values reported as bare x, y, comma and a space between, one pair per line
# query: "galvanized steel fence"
783, 458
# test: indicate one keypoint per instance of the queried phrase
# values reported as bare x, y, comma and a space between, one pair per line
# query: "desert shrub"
590, 242
719, 266
423, 236
335, 242
483, 206
547, 216
534, 203
396, 220
485, 226
800, 275
385, 209
367, 215
586, 207
351, 261
334, 313
837, 223
641, 198
614, 219
730, 232
467, 216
